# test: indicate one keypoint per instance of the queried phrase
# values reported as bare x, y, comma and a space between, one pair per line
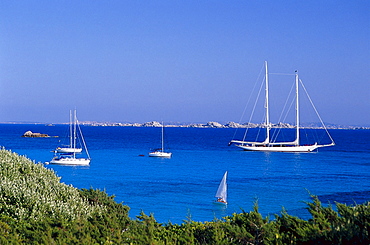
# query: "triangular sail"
222, 189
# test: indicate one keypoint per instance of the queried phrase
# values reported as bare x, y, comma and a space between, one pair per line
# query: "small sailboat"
221, 193
160, 152
270, 144
67, 155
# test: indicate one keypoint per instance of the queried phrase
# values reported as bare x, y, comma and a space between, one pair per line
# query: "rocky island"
30, 134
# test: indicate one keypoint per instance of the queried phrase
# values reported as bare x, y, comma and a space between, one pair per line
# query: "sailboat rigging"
270, 145
221, 193
67, 155
72, 133
160, 152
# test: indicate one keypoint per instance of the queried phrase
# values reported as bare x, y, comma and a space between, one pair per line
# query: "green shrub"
35, 208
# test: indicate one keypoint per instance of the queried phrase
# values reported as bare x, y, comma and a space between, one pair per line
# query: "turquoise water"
184, 186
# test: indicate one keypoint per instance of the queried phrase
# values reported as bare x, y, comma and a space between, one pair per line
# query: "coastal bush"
29, 191
36, 208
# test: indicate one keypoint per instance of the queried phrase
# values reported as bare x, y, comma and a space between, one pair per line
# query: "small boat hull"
220, 203
160, 154
71, 161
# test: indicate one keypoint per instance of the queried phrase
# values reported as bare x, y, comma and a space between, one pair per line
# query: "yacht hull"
160, 154
303, 148
71, 161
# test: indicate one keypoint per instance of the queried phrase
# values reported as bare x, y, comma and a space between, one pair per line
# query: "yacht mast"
70, 129
267, 140
162, 139
297, 109
74, 133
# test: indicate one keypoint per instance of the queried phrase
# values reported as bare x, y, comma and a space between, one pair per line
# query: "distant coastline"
210, 124
213, 124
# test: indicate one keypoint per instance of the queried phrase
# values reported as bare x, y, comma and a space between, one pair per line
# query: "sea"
182, 188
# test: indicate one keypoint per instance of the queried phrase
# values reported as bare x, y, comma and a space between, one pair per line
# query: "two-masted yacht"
270, 145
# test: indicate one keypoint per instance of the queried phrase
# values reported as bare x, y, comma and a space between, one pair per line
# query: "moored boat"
272, 145
67, 155
160, 152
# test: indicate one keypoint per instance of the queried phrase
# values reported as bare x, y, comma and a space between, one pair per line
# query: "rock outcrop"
30, 134
214, 125
152, 124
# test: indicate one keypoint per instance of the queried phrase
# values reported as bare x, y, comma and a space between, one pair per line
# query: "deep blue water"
184, 186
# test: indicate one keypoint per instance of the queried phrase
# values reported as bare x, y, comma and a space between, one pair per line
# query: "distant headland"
217, 125
211, 124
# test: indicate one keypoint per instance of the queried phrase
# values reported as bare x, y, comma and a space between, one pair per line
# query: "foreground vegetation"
35, 208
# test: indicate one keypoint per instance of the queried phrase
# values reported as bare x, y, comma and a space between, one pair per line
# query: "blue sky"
178, 61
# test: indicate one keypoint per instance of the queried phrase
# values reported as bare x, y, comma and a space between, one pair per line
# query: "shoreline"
210, 124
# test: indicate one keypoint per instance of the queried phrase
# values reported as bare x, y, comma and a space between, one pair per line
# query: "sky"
178, 61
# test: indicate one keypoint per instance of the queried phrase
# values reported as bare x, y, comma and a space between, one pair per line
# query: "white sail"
67, 155
221, 193
285, 146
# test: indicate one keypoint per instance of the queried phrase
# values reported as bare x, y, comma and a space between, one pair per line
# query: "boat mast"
267, 140
74, 133
162, 139
70, 129
297, 108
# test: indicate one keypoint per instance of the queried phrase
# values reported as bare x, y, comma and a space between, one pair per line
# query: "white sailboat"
221, 193
67, 155
160, 152
269, 145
